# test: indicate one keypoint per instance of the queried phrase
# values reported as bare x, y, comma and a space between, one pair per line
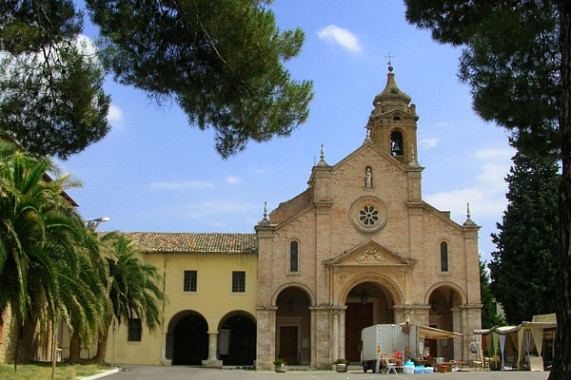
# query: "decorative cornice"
471, 306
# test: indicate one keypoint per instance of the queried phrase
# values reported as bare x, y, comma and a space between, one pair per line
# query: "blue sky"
155, 173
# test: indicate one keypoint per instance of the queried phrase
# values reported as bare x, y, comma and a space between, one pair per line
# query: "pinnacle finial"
265, 220
389, 56
322, 157
367, 134
413, 161
469, 222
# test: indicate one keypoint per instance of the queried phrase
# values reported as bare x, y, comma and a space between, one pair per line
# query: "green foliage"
517, 59
53, 268
490, 316
133, 286
220, 61
510, 60
44, 371
52, 100
45, 275
523, 267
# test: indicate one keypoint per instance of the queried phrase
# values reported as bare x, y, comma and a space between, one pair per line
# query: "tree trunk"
75, 346
102, 345
28, 342
561, 368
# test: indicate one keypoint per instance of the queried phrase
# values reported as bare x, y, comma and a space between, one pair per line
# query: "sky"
155, 173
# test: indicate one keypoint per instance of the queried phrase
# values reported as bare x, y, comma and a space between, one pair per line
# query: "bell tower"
392, 123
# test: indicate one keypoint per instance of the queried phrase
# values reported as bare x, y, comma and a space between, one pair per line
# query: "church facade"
360, 247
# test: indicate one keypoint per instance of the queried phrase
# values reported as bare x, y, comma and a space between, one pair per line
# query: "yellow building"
209, 317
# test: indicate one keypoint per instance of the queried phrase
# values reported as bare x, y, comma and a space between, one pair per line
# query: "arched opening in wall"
367, 304
443, 303
397, 148
293, 330
237, 339
187, 339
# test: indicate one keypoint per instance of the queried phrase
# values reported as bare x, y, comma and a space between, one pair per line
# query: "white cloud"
182, 185
209, 208
339, 36
429, 143
115, 114
487, 193
494, 153
231, 179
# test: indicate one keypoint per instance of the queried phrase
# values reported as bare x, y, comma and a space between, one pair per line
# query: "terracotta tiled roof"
169, 242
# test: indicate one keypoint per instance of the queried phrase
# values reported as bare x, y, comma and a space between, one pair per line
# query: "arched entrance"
187, 339
237, 339
443, 301
293, 327
367, 304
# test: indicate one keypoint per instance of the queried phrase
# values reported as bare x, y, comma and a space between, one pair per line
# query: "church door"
288, 344
357, 317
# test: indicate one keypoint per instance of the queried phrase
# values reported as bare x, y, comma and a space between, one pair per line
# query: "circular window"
368, 214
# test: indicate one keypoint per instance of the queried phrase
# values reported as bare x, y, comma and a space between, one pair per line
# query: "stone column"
212, 361
336, 349
457, 326
164, 343
266, 337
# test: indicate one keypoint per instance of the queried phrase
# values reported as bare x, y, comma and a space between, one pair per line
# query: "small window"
190, 281
444, 257
238, 282
135, 330
293, 257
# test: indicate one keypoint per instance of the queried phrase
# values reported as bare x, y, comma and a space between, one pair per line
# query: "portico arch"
302, 287
237, 338
375, 278
187, 338
444, 313
369, 300
293, 328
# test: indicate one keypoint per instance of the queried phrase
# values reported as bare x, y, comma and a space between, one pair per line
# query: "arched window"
293, 257
444, 257
396, 144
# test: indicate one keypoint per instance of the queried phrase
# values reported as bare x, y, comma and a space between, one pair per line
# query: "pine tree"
522, 269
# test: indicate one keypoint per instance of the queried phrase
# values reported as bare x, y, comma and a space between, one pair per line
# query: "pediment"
370, 253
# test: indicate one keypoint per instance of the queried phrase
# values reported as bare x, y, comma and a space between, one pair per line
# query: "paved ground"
182, 372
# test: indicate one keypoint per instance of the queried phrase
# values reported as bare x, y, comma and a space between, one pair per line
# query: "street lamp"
94, 223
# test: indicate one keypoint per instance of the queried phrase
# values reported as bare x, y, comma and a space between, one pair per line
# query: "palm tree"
133, 288
45, 276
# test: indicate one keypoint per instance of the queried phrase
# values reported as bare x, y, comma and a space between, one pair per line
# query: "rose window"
369, 216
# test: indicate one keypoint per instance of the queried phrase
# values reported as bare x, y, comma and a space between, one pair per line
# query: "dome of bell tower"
392, 123
392, 97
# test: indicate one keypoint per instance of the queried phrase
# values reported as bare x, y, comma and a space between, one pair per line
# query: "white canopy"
434, 333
